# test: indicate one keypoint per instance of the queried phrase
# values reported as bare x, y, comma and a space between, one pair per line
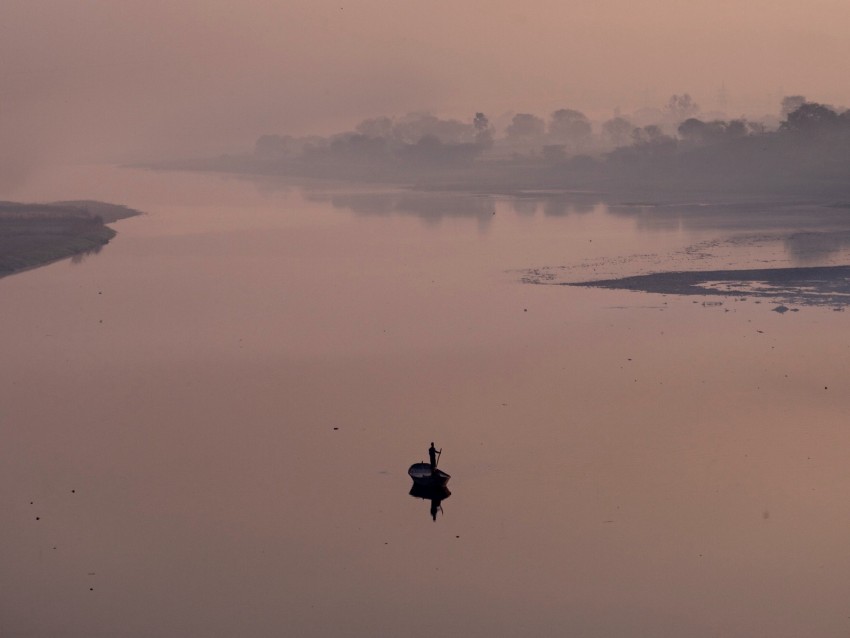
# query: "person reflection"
435, 506
436, 495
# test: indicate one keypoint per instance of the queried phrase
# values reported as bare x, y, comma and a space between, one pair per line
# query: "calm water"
206, 428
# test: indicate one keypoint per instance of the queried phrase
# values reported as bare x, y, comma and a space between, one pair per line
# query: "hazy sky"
131, 78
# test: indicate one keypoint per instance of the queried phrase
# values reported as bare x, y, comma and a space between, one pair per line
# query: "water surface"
207, 426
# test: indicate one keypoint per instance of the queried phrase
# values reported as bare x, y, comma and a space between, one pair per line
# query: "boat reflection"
435, 494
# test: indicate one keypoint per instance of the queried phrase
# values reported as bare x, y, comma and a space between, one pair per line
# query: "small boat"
423, 475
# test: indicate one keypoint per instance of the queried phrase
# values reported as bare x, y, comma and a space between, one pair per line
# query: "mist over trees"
673, 149
525, 128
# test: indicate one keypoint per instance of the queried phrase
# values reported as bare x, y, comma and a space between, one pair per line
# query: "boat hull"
424, 476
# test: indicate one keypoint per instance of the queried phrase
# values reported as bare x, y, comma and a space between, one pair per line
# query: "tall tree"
525, 126
570, 126
617, 131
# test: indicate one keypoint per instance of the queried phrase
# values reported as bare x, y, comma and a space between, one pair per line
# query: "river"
206, 427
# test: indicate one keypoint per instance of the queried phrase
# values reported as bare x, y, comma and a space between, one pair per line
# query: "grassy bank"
36, 234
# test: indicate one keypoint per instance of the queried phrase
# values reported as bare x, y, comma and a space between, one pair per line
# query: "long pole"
438, 457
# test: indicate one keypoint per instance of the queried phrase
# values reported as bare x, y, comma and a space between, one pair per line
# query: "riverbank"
33, 235
810, 286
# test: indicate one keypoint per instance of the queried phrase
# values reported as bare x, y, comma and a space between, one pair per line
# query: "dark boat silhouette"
425, 476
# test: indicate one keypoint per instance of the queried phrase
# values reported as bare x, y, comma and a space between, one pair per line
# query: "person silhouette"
432, 456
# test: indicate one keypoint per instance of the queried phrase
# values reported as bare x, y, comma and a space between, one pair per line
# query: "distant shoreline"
469, 182
35, 235
804, 157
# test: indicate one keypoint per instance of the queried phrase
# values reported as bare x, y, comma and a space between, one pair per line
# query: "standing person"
432, 456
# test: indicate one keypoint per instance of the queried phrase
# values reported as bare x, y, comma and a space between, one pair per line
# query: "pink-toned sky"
128, 79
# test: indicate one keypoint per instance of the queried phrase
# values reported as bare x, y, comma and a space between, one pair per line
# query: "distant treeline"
804, 152
36, 234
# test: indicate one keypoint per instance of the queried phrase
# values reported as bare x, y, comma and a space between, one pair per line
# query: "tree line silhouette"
803, 153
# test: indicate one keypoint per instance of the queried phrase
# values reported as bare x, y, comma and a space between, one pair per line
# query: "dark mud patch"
816, 285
